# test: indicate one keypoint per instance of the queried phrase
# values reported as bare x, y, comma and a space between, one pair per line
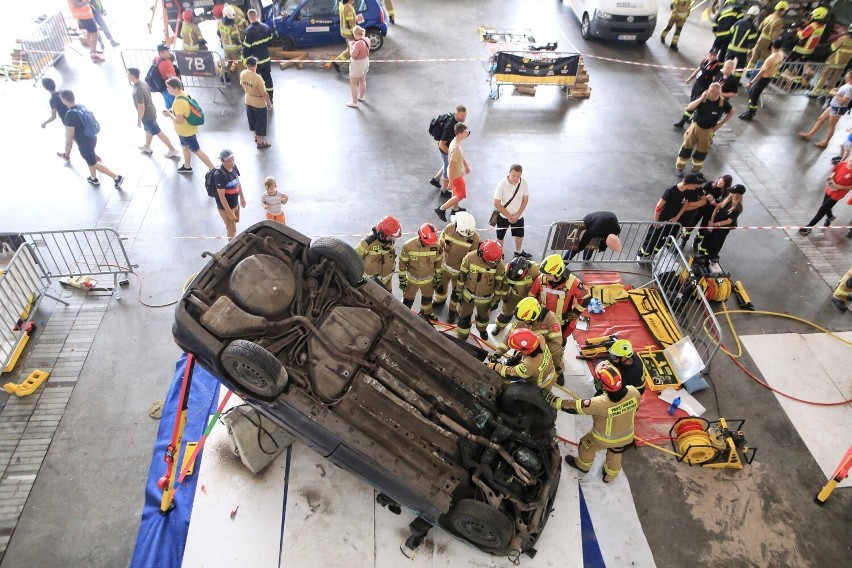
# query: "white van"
623, 20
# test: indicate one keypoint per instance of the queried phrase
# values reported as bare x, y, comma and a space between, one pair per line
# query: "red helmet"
609, 376
428, 234
388, 228
524, 340
187, 16
491, 251
217, 11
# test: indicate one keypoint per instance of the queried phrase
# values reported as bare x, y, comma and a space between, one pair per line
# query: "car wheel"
714, 8
343, 255
481, 524
586, 27
254, 369
526, 400
283, 42
377, 40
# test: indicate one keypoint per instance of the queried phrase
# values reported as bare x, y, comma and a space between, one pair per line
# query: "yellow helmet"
621, 348
528, 309
782, 6
553, 265
819, 13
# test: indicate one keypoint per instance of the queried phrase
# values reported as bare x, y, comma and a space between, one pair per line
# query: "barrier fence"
565, 236
198, 69
800, 78
46, 45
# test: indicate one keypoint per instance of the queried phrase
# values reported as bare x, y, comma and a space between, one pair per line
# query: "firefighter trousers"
507, 310
696, 144
759, 52
844, 287
443, 291
587, 448
483, 313
676, 21
426, 290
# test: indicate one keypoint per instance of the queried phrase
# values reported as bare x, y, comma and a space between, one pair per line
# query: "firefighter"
239, 17
560, 292
708, 110
520, 273
529, 314
347, 21
536, 362
832, 72
391, 13
680, 12
458, 238
190, 34
628, 363
612, 428
378, 253
730, 14
843, 293
479, 284
769, 30
420, 267
256, 43
808, 39
232, 41
742, 39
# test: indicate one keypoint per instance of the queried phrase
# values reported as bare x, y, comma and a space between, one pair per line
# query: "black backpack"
439, 124
210, 183
155, 80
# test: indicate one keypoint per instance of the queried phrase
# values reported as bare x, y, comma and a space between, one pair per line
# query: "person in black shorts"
75, 132
57, 107
602, 225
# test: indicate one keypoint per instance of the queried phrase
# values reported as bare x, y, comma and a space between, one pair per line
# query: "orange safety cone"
839, 475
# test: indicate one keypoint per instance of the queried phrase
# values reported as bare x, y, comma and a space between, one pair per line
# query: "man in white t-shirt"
510, 200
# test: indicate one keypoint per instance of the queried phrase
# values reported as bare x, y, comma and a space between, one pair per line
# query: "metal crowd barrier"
801, 77
563, 237
198, 69
46, 45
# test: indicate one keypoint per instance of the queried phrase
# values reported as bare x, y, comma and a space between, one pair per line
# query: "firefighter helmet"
524, 340
819, 13
217, 11
229, 12
517, 268
621, 348
553, 265
428, 234
609, 376
491, 251
187, 16
388, 228
754, 11
465, 223
782, 6
528, 309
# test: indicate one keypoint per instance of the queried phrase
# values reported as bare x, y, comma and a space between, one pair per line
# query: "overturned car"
293, 327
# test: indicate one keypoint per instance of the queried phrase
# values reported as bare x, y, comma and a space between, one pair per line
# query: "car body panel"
621, 20
308, 23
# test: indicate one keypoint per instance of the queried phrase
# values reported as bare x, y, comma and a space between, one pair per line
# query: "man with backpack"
187, 117
229, 193
82, 127
442, 130
146, 115
162, 69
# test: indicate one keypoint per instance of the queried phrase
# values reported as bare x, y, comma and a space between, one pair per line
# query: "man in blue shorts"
186, 132
146, 114
76, 131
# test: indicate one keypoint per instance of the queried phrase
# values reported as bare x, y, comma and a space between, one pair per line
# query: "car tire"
283, 42
525, 399
343, 255
377, 40
586, 27
481, 524
254, 370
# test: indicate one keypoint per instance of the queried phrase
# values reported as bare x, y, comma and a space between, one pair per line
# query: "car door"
317, 23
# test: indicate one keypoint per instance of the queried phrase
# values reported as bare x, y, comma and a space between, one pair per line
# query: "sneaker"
839, 304
663, 40
185, 170
813, 96
446, 194
145, 150
836, 160
524, 254
643, 257
805, 231
829, 218
435, 183
114, 43
459, 210
93, 181
678, 173
172, 154
442, 215
118, 182
352, 105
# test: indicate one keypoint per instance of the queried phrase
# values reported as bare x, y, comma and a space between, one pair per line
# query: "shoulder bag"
495, 215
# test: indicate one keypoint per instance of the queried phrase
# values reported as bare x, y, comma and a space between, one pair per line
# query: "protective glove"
494, 357
571, 316
403, 284
513, 360
491, 365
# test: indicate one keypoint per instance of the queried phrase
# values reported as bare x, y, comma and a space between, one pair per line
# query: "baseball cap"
162, 47
738, 189
225, 155
694, 178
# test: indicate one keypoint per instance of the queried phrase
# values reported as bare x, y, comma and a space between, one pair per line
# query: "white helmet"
465, 223
229, 12
754, 11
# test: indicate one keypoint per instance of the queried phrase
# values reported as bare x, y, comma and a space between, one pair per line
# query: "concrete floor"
344, 168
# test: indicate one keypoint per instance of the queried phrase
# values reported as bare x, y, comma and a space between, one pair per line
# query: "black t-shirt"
73, 119
230, 182
449, 130
57, 105
674, 199
709, 113
729, 85
633, 374
601, 224
724, 213
709, 69
718, 194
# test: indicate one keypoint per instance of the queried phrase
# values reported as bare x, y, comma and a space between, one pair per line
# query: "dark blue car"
307, 23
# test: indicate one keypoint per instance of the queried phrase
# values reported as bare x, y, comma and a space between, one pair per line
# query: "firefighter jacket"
841, 52
516, 290
240, 20
379, 256
455, 246
681, 8
256, 42
547, 325
809, 37
536, 368
771, 27
725, 20
230, 36
563, 298
191, 36
612, 421
347, 19
743, 36
419, 264
479, 281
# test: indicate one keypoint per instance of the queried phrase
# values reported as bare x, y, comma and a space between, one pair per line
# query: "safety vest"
547, 325
771, 26
841, 52
419, 263
80, 9
809, 38
558, 300
478, 280
743, 36
521, 288
347, 19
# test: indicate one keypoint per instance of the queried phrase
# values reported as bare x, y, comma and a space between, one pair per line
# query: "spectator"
99, 12
837, 185
256, 43
444, 150
229, 196
725, 215
187, 133
57, 107
510, 200
714, 192
841, 97
190, 34
709, 109
669, 209
258, 103
272, 201
601, 225
844, 148
348, 19
78, 123
146, 114
358, 66
81, 10
167, 70
456, 170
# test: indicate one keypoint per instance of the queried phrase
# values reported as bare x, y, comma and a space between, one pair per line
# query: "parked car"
293, 327
307, 23
622, 20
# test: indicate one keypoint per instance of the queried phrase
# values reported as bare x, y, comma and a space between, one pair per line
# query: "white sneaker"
171, 154
145, 150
